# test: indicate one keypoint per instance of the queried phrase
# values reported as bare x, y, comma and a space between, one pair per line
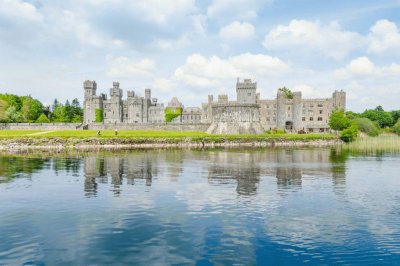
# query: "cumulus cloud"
329, 40
207, 71
237, 31
359, 67
362, 67
121, 67
384, 37
19, 9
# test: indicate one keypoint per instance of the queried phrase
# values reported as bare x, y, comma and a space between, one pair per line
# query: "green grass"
381, 144
17, 133
155, 134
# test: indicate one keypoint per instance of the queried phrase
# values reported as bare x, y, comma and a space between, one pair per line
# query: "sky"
189, 48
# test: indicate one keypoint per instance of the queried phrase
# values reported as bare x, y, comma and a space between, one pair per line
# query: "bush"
276, 131
99, 115
42, 119
171, 113
349, 134
338, 120
396, 128
367, 126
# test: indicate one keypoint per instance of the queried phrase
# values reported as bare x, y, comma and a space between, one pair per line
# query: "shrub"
42, 119
349, 134
276, 131
171, 113
367, 126
338, 120
396, 128
99, 115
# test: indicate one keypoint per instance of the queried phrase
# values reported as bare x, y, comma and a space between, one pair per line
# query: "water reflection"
218, 207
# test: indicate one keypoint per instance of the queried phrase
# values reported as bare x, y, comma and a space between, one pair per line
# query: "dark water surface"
223, 207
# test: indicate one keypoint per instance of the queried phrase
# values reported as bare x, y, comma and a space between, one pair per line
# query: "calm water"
275, 207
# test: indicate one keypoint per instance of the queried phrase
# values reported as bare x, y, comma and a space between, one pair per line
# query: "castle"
247, 114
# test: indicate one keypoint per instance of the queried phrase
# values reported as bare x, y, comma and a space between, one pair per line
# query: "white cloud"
19, 9
162, 11
121, 67
237, 31
359, 67
238, 9
329, 40
384, 37
163, 85
209, 71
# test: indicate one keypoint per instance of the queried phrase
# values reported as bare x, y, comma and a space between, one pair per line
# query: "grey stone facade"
247, 114
115, 110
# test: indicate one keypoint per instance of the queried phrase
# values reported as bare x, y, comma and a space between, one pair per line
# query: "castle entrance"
289, 125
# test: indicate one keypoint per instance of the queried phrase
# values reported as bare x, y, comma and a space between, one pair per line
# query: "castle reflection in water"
245, 168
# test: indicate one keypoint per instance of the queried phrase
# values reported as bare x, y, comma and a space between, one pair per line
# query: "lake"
203, 207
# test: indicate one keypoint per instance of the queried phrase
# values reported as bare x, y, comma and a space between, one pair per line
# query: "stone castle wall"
235, 118
40, 126
200, 127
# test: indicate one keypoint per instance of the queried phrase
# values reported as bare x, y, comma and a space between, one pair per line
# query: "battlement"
222, 98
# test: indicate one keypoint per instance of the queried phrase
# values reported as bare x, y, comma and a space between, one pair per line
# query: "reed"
382, 144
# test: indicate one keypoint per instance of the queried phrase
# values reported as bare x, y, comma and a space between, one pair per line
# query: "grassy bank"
153, 134
381, 144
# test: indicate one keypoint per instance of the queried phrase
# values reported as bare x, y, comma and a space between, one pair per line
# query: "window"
303, 119
268, 119
320, 105
321, 130
311, 105
319, 118
311, 118
137, 114
288, 108
249, 94
320, 112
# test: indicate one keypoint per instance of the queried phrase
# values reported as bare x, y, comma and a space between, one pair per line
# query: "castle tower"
246, 91
90, 88
115, 104
280, 110
91, 102
339, 99
297, 111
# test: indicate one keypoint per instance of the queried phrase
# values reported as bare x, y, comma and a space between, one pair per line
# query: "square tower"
246, 91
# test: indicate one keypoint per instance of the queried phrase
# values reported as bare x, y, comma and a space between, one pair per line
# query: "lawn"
143, 134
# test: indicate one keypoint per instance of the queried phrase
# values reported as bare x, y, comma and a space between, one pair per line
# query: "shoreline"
13, 144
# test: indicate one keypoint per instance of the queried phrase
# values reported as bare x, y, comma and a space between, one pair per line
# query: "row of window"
268, 119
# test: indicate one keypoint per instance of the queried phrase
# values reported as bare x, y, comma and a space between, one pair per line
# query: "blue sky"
190, 49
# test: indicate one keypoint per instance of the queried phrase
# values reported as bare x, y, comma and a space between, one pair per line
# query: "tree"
55, 104
31, 109
288, 93
396, 115
396, 128
60, 114
384, 119
338, 120
367, 126
99, 115
13, 116
349, 134
42, 119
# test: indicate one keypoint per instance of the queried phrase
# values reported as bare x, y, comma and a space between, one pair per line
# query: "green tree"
384, 119
31, 109
338, 120
396, 115
396, 128
42, 119
13, 116
288, 93
60, 114
349, 134
367, 126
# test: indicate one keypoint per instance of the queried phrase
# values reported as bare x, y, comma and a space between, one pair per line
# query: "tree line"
25, 109
371, 122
